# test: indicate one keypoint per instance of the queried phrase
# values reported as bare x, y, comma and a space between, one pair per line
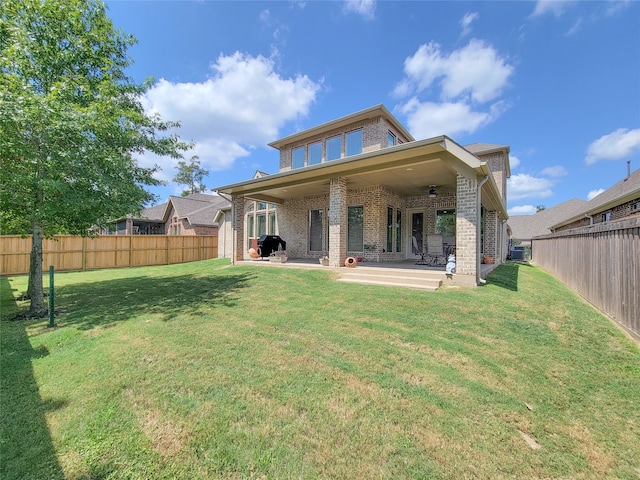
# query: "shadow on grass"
506, 275
27, 448
101, 303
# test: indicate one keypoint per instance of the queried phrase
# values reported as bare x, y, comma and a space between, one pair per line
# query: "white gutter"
479, 280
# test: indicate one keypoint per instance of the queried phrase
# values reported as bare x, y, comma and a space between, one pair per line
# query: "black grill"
269, 244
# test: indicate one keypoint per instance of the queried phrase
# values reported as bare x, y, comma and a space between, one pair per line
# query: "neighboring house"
619, 201
191, 215
526, 227
362, 186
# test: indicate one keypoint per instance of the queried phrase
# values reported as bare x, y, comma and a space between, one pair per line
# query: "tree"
191, 175
540, 208
71, 123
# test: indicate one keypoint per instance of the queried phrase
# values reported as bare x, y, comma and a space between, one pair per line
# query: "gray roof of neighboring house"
525, 227
197, 208
624, 191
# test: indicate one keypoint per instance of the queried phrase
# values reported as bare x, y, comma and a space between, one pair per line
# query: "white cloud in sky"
621, 143
554, 7
364, 8
522, 185
514, 161
522, 210
243, 104
466, 22
594, 193
555, 171
465, 79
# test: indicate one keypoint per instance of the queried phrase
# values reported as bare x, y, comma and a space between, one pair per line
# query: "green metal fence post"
51, 298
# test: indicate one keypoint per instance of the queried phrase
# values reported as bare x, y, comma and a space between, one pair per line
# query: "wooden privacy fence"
601, 263
67, 252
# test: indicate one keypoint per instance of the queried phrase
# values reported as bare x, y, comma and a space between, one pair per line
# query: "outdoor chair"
416, 251
435, 251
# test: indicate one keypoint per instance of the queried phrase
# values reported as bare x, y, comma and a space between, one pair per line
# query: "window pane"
334, 148
391, 139
355, 229
262, 205
272, 223
389, 229
262, 224
250, 226
354, 142
398, 231
446, 223
315, 153
315, 230
298, 157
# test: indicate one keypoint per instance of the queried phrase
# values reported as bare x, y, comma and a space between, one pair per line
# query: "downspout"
479, 280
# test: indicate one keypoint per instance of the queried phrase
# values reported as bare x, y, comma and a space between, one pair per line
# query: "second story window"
298, 157
315, 153
354, 142
334, 148
391, 139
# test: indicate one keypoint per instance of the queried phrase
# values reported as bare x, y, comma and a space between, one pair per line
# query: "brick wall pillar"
491, 235
466, 226
238, 246
337, 221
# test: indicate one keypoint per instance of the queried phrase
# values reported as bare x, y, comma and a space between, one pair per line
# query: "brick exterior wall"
337, 221
466, 223
491, 235
239, 231
374, 137
617, 212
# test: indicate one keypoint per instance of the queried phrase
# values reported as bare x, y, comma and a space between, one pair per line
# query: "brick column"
239, 246
466, 225
491, 234
337, 221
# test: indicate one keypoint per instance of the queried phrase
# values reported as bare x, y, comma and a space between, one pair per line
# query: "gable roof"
526, 227
624, 191
197, 209
372, 112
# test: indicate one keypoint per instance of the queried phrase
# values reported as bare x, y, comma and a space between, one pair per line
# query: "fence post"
52, 302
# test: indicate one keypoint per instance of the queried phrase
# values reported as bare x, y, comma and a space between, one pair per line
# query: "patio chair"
416, 251
435, 251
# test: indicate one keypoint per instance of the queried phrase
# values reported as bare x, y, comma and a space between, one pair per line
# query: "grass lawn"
201, 371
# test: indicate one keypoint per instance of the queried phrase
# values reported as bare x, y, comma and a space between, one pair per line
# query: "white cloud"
522, 185
619, 144
466, 21
428, 119
555, 171
514, 161
365, 8
243, 104
616, 6
555, 7
472, 75
522, 210
594, 193
475, 71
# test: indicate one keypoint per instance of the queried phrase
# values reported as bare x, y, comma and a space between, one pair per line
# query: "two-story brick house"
362, 186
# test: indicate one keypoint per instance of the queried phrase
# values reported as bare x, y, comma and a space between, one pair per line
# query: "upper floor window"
391, 139
334, 148
606, 217
315, 153
298, 157
354, 142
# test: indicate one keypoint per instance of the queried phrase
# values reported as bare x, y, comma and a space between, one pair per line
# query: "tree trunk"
35, 291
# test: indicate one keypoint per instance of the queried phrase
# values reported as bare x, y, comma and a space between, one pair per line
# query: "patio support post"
337, 221
238, 244
466, 226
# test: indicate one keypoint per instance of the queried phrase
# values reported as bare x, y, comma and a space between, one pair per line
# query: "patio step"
392, 277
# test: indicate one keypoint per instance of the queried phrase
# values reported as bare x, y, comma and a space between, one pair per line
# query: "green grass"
205, 371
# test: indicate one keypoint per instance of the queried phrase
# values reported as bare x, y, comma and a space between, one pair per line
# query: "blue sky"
559, 82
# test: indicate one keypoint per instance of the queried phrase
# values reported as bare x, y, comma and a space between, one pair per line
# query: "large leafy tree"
71, 124
191, 174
